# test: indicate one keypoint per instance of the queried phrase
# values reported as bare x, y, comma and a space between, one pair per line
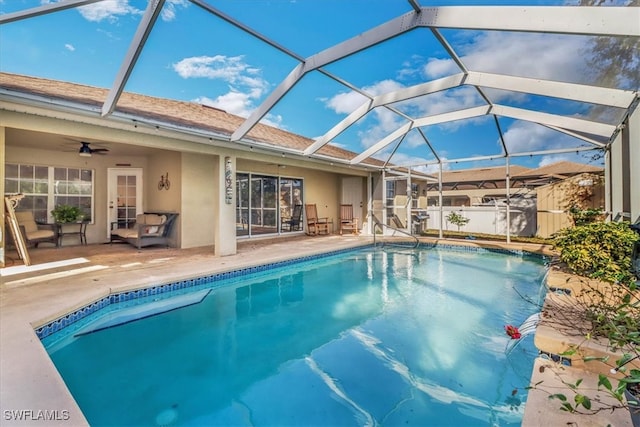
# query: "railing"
378, 223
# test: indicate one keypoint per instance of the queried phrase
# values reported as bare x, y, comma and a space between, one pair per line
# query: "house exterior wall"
623, 171
552, 210
633, 130
198, 203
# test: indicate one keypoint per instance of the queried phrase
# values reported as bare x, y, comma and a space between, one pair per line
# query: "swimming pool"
366, 337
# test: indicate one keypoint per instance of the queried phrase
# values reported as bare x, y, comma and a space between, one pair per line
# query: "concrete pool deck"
31, 390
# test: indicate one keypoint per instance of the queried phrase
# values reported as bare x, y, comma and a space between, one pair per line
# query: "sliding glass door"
264, 205
263, 202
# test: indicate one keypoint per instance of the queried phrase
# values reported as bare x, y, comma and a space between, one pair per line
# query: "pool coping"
30, 381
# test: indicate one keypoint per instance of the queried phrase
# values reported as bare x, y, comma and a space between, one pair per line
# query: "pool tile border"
126, 296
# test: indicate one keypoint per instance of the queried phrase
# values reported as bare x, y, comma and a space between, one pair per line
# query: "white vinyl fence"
489, 219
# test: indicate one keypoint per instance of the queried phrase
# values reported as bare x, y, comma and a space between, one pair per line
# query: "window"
262, 200
414, 195
46, 187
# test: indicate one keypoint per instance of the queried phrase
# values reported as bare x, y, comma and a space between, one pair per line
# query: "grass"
481, 236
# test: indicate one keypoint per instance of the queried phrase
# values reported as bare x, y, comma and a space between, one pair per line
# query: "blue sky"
194, 56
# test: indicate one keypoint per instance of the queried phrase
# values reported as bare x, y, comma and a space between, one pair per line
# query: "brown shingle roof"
177, 113
561, 169
496, 173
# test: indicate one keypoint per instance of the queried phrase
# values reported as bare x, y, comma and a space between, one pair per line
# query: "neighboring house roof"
561, 170
494, 177
177, 113
477, 178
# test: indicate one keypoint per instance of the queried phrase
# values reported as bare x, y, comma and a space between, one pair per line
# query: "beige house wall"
552, 215
198, 205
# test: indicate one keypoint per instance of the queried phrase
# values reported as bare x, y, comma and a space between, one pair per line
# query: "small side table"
72, 229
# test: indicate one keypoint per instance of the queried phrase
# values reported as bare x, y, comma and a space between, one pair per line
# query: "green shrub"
600, 250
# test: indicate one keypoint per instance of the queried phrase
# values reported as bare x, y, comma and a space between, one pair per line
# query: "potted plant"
63, 214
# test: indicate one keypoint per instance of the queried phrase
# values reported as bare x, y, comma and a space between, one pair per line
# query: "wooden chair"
293, 222
347, 221
34, 232
315, 225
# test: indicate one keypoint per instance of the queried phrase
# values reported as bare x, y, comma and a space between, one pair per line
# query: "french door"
124, 192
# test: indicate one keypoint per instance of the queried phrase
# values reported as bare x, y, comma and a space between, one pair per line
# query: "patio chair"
294, 222
36, 232
397, 223
150, 228
315, 225
347, 221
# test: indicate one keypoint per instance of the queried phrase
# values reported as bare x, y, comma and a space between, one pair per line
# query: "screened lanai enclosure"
403, 90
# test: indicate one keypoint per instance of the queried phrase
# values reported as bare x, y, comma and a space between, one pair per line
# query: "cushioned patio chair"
34, 232
149, 229
347, 221
294, 222
315, 225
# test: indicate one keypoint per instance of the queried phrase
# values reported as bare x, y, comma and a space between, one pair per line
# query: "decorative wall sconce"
164, 182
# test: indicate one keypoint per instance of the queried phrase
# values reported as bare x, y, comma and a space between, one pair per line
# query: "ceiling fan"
86, 151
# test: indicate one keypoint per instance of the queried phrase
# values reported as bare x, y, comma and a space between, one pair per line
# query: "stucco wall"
199, 205
165, 163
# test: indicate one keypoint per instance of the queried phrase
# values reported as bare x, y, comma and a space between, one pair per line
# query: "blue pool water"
369, 337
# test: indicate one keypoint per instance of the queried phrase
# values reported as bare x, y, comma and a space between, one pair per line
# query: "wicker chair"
34, 232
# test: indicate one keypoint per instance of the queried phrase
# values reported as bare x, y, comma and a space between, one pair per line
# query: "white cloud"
69, 47
108, 10
449, 100
546, 56
347, 102
246, 85
437, 67
232, 102
231, 69
523, 137
168, 12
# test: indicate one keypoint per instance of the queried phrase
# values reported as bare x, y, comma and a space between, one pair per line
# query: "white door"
124, 190
352, 195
